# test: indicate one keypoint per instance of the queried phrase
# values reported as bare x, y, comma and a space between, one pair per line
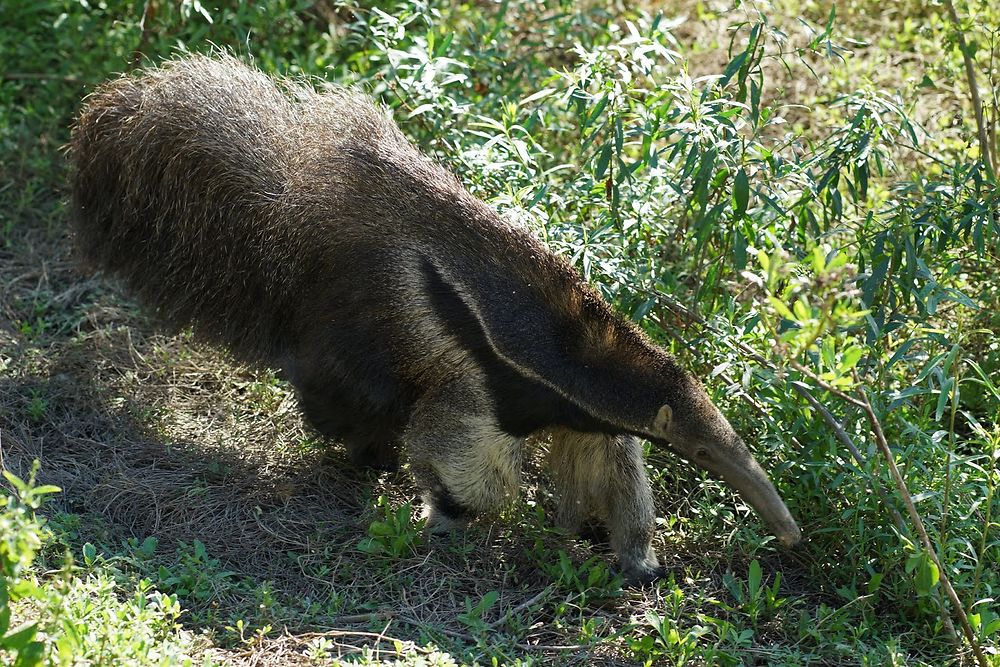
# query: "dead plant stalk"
977, 103
883, 446
918, 523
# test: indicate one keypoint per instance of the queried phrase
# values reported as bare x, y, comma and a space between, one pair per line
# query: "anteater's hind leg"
379, 451
368, 446
604, 476
464, 464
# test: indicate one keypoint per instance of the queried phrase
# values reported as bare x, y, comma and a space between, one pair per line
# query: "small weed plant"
395, 533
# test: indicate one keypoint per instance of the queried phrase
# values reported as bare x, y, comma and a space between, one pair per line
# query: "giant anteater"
298, 228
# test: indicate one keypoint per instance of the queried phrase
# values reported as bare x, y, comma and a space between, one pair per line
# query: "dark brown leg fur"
330, 416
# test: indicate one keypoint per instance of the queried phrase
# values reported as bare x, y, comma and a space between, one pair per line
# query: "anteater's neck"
615, 373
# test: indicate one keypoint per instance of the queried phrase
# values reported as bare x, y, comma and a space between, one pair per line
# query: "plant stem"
977, 103
951, 448
990, 490
918, 523
845, 439
40, 76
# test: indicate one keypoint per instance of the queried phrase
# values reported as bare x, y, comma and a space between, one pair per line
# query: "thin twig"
41, 76
363, 618
544, 593
839, 393
918, 523
845, 439
977, 103
145, 23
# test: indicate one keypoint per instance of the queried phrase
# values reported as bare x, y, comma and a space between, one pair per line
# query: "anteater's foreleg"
334, 416
604, 476
464, 464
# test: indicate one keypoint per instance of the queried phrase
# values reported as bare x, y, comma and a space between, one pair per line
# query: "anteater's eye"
701, 453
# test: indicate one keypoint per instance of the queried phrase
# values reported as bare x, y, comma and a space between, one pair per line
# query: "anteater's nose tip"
789, 538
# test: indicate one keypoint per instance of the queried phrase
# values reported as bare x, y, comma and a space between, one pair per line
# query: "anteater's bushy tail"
204, 184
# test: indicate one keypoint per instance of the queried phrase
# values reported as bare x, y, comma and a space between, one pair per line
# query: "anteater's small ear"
662, 422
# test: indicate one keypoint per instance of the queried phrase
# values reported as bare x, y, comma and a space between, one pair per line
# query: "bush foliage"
797, 229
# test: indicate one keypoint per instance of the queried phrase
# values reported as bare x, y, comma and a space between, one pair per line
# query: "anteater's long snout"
753, 484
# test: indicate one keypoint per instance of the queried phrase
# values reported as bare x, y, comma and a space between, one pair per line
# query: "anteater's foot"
444, 514
642, 570
383, 457
641, 579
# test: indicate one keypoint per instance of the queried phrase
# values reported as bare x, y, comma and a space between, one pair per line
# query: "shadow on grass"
154, 436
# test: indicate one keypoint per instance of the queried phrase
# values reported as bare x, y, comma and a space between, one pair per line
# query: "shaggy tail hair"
198, 182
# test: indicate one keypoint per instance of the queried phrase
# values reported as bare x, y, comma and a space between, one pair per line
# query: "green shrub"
77, 618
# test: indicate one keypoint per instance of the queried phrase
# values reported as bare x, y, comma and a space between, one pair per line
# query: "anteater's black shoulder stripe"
522, 405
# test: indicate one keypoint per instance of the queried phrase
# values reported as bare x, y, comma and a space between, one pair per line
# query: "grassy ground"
184, 473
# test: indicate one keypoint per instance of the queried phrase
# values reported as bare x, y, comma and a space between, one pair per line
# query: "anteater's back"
194, 182
299, 228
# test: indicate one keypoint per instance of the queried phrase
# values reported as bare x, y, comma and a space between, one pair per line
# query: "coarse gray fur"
300, 229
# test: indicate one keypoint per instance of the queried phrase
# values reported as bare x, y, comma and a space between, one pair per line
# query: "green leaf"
818, 258
753, 578
421, 110
765, 261
926, 575
801, 309
488, 601
850, 358
950, 359
369, 546
602, 162
89, 553
16, 482
148, 547
31, 655
741, 193
781, 308
943, 395
544, 92
380, 528
827, 352
734, 65
861, 180
18, 639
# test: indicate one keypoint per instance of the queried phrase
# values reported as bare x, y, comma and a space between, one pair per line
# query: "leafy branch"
977, 104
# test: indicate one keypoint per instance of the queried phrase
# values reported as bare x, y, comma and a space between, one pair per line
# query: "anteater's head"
696, 430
